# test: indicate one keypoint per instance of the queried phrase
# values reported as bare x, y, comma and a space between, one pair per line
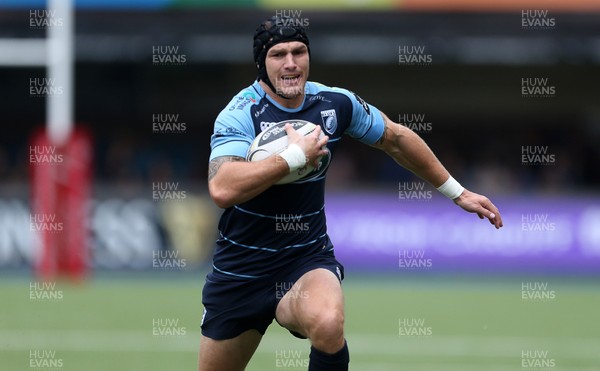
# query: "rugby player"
259, 273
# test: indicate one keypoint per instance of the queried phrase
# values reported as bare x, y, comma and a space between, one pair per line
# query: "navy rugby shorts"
234, 306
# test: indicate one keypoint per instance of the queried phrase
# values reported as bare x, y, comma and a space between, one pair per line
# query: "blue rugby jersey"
286, 222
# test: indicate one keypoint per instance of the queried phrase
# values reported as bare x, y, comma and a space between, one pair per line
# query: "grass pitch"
396, 322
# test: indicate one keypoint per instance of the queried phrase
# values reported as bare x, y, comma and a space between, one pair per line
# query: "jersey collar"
261, 91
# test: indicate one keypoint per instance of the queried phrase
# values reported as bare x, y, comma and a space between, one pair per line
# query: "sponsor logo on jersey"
229, 131
362, 103
319, 97
261, 110
250, 96
329, 120
241, 102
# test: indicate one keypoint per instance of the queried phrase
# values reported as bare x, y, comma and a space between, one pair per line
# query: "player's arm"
410, 151
233, 180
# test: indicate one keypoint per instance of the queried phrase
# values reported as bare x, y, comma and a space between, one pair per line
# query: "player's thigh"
317, 293
228, 355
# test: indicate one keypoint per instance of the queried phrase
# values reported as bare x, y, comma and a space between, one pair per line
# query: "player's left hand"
476, 203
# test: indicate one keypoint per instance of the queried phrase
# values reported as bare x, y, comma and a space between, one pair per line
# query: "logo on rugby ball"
274, 139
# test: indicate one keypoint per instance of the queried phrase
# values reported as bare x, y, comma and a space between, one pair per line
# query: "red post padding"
61, 189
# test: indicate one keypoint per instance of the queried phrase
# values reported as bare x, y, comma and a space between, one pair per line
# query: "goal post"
60, 155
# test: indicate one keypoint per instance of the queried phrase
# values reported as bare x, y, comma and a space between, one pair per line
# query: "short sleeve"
367, 123
233, 134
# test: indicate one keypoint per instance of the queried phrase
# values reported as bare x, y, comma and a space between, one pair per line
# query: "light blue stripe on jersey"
236, 274
269, 249
275, 217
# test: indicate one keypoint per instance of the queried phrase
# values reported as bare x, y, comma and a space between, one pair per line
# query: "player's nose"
289, 62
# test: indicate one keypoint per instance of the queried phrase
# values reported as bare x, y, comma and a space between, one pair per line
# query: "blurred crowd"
492, 164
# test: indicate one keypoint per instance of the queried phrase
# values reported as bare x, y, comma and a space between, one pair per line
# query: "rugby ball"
274, 140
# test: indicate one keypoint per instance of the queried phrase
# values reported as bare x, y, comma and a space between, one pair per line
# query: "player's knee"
327, 330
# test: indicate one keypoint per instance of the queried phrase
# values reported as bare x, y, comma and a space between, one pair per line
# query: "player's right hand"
313, 146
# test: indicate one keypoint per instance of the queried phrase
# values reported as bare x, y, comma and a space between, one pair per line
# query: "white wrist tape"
294, 156
451, 188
